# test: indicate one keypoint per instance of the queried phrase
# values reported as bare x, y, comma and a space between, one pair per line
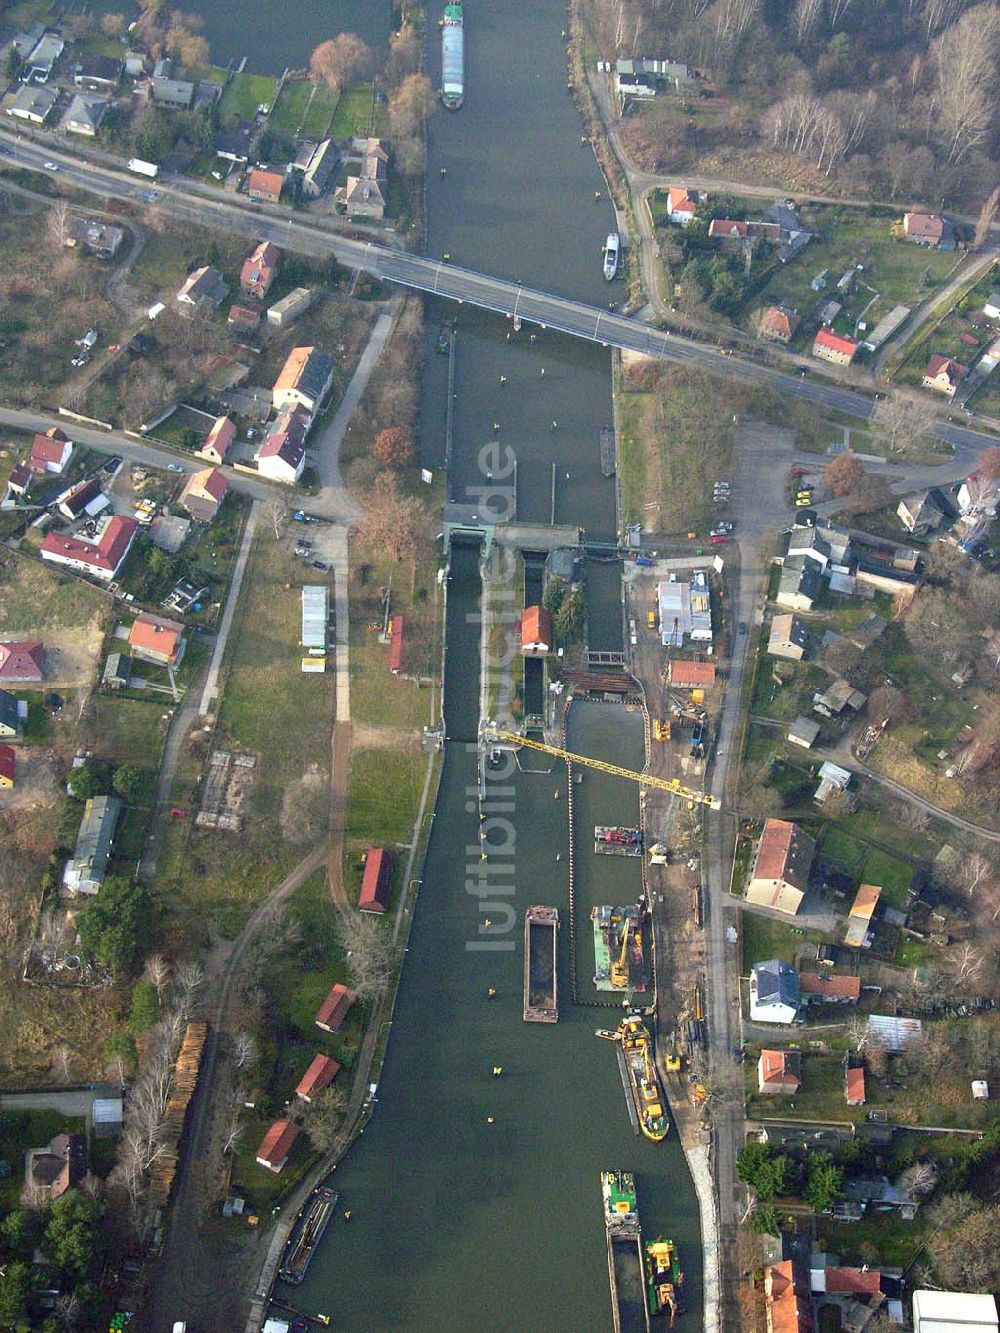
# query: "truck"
142, 168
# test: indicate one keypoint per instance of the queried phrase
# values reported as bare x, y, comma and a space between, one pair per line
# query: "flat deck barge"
306, 1235
607, 451
613, 928
541, 999
625, 1254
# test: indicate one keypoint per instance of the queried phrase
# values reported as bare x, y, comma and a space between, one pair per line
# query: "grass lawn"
766, 937
319, 113
33, 597
880, 1238
634, 423
821, 1096
21, 1130
263, 1187
291, 103
382, 798
245, 93
353, 115
130, 730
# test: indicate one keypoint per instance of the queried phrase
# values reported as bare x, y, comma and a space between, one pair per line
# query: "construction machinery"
661, 729
494, 736
619, 965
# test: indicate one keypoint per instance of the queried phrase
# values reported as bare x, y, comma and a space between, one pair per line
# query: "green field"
354, 113
245, 93
765, 937
305, 108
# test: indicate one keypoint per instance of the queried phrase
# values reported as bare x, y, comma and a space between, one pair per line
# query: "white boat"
611, 248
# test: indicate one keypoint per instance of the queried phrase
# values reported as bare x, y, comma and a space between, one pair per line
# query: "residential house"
779, 875
276, 1145
631, 80
690, 675
40, 64
944, 374
376, 882
799, 584
8, 767
779, 1072
363, 197
97, 74
921, 513
787, 1301
992, 307
685, 609
135, 63
168, 91
838, 696
87, 867
978, 497
100, 557
86, 497
12, 713
19, 481
50, 452
778, 323
282, 456
859, 922
23, 660
774, 992
218, 440
203, 289
322, 1070
831, 778
85, 114
244, 316
728, 229
260, 270
789, 637
156, 639
828, 987
803, 731
954, 1312
536, 631
854, 1085
33, 104
322, 164
265, 185
867, 633
680, 206
203, 494
332, 1012
304, 380
50, 1171
99, 238
288, 309
926, 229
834, 347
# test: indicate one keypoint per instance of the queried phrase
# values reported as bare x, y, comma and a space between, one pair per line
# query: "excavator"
495, 736
619, 965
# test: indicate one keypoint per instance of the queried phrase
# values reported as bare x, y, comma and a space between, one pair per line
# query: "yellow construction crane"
674, 785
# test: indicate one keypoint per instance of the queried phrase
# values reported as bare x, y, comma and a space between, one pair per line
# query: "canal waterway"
475, 1200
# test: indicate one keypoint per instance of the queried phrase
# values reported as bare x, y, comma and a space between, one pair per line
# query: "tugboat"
635, 1056
663, 1279
612, 247
625, 1256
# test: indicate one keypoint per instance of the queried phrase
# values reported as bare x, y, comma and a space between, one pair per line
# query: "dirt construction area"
68, 615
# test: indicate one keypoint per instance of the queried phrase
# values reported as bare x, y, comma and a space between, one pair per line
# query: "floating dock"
615, 927
617, 841
625, 1254
607, 451
541, 1000
306, 1235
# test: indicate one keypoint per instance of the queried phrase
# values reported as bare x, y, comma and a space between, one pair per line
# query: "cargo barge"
621, 948
663, 1279
629, 1311
453, 57
607, 451
306, 1235
617, 841
541, 1000
647, 1099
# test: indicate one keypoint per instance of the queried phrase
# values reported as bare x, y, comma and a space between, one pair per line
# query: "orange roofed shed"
536, 631
332, 1012
377, 881
277, 1144
692, 675
396, 641
320, 1074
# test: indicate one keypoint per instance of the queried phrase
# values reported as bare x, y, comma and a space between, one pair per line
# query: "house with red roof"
282, 456
101, 557
680, 206
260, 270
779, 1072
854, 1086
265, 185
245, 316
50, 452
691, 675
156, 639
332, 1012
827, 988
536, 631
778, 323
944, 374
787, 1299
320, 1074
376, 883
834, 347
8, 766
276, 1145
24, 660
728, 229
203, 493
218, 440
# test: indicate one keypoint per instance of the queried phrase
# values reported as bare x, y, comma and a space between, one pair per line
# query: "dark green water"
458, 1223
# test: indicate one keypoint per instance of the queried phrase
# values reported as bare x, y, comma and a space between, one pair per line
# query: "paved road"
441, 278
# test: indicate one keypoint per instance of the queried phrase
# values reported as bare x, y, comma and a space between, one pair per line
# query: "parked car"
51, 166
321, 565
720, 538
174, 467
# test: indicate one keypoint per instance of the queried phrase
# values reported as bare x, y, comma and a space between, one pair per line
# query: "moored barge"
541, 998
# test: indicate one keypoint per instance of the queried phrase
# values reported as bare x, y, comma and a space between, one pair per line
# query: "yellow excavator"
493, 735
619, 965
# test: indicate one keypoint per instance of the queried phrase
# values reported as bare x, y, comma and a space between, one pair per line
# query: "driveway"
71, 1101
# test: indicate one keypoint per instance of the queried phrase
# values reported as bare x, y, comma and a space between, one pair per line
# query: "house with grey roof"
799, 585
203, 289
788, 638
921, 513
87, 867
775, 992
84, 114
13, 711
33, 104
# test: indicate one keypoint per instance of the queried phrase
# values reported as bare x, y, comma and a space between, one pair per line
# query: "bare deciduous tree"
368, 949
245, 1052
806, 18
59, 223
903, 422
339, 61
324, 1116
157, 971
987, 217
277, 516
62, 1062
965, 57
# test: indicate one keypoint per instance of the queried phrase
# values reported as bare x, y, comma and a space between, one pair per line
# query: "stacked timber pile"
185, 1077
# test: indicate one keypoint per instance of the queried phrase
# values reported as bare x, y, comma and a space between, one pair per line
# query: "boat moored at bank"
625, 1256
663, 1279
306, 1235
611, 252
643, 1081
